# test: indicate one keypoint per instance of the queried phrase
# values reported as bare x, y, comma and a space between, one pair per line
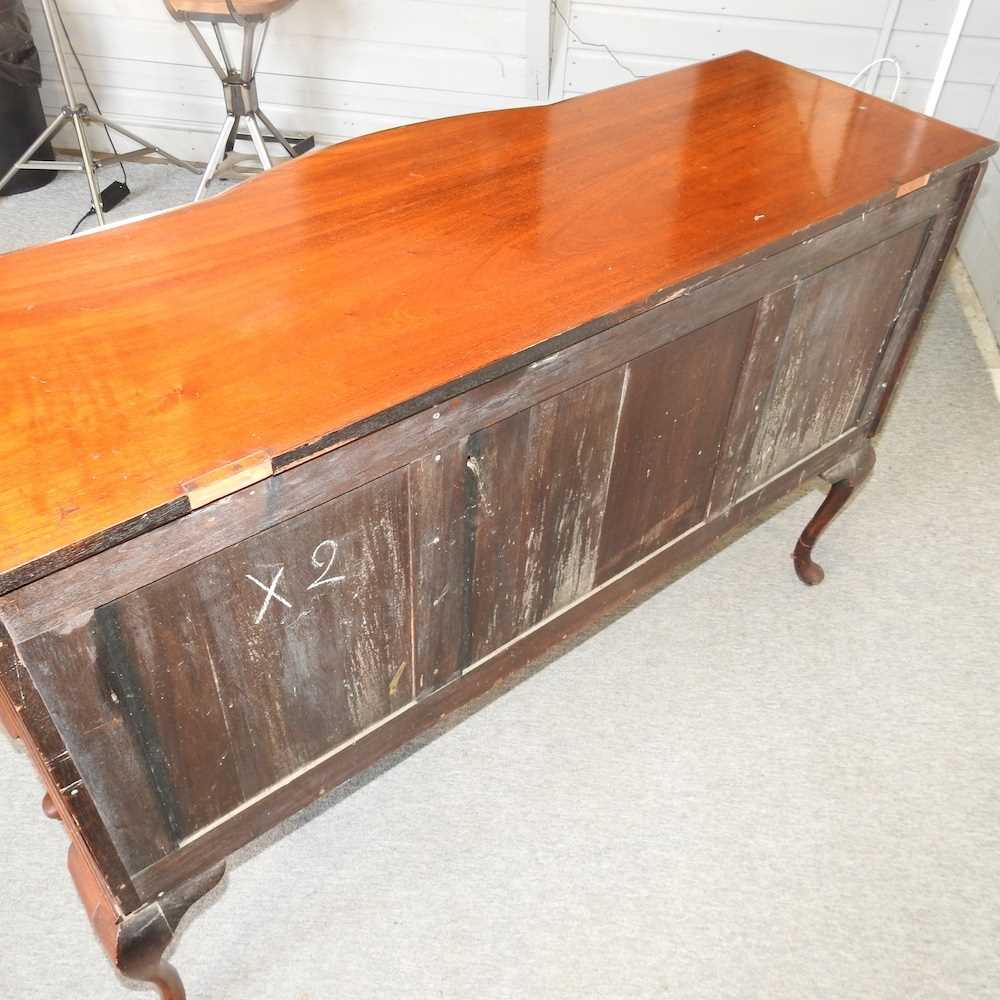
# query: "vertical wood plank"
151, 656
675, 410
941, 236
536, 488
836, 331
101, 742
440, 574
330, 654
752, 393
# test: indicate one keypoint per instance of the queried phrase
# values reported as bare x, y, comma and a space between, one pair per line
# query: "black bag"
22, 119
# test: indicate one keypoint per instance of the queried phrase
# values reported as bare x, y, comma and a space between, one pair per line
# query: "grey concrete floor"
741, 788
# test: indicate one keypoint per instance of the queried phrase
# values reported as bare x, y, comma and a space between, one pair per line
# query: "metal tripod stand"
79, 115
239, 86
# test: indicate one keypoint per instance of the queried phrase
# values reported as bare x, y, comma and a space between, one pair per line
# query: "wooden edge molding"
228, 479
92, 545
7, 723
914, 185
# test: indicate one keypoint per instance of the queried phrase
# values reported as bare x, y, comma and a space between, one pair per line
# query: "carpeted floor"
51, 212
740, 789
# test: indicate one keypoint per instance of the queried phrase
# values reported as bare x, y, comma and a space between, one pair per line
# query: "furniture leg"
135, 943
844, 478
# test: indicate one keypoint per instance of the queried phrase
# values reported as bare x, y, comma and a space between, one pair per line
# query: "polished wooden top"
357, 280
219, 10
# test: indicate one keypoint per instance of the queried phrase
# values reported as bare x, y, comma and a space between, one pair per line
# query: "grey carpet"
51, 212
740, 789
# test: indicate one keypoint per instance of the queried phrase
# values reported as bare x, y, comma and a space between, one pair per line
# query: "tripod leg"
176, 161
258, 142
49, 133
216, 158
233, 135
88, 168
276, 132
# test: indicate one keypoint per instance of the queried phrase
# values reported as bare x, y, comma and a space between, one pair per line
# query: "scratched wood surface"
221, 680
192, 687
669, 435
836, 330
387, 272
139, 560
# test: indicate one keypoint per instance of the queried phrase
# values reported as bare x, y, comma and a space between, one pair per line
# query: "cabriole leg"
135, 943
845, 477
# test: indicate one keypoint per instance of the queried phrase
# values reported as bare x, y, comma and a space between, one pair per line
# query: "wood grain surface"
347, 289
185, 688
672, 422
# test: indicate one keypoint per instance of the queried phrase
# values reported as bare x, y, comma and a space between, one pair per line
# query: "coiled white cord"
875, 62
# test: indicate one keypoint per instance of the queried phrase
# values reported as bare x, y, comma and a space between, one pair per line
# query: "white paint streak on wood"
321, 760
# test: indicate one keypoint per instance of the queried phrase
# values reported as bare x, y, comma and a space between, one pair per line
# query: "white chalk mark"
317, 562
270, 592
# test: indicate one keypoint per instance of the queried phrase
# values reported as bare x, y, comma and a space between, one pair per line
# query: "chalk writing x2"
270, 592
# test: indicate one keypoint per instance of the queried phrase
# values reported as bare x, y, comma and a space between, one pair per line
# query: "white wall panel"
334, 69
977, 59
673, 35
590, 69
936, 16
853, 12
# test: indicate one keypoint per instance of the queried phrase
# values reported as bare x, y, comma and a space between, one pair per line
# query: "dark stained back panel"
677, 403
536, 487
221, 679
836, 330
224, 679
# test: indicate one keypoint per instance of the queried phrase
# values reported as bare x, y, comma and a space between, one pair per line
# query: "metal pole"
57, 124
951, 43
882, 48
88, 168
57, 49
77, 113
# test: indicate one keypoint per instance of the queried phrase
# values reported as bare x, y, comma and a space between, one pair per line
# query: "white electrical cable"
876, 62
882, 46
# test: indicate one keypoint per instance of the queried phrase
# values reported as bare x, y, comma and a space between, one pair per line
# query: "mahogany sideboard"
291, 474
